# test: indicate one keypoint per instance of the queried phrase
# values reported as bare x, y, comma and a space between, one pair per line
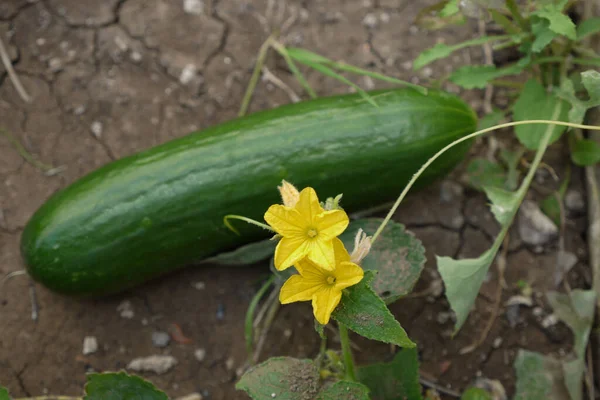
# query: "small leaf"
430, 17
535, 103
511, 160
588, 27
559, 23
475, 393
551, 208
245, 255
463, 278
577, 311
4, 393
478, 76
539, 377
398, 379
543, 34
591, 81
450, 9
282, 378
482, 171
344, 390
120, 386
503, 203
585, 152
365, 313
436, 52
397, 255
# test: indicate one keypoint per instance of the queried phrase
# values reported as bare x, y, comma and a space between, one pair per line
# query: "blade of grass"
249, 323
292, 66
260, 61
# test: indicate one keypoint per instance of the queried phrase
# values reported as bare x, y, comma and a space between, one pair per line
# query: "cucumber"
156, 211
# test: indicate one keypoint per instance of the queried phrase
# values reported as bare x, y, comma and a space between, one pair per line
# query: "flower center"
312, 232
331, 280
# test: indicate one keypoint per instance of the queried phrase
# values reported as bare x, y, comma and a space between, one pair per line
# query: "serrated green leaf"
364, 312
478, 76
577, 311
282, 378
578, 107
397, 256
463, 278
483, 172
475, 393
535, 103
503, 203
4, 393
591, 82
120, 386
539, 377
543, 34
588, 27
585, 152
344, 390
559, 23
396, 380
245, 255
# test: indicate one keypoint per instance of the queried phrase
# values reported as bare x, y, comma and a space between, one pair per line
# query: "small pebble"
549, 321
158, 364
444, 317
537, 311
187, 74
136, 56
192, 396
55, 64
40, 41
384, 17
535, 227
79, 110
512, 315
96, 129
370, 20
126, 310
519, 300
160, 339
449, 191
194, 7
574, 201
90, 345
200, 285
229, 364
497, 342
287, 333
200, 354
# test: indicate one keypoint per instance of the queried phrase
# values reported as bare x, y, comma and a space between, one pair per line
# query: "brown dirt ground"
118, 63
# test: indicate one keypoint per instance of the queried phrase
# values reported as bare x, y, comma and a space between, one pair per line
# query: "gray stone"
574, 201
158, 364
90, 345
534, 226
160, 339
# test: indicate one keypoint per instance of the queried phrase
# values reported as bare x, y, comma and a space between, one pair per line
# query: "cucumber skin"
153, 212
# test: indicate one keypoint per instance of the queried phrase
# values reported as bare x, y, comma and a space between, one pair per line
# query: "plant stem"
260, 61
516, 14
458, 141
249, 325
347, 353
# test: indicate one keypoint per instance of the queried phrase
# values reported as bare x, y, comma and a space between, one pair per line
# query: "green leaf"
364, 312
511, 160
491, 119
588, 27
481, 171
282, 378
397, 256
450, 9
585, 152
577, 311
559, 23
245, 255
463, 278
396, 380
4, 393
550, 205
578, 107
478, 76
440, 50
120, 386
538, 377
503, 203
535, 103
543, 34
344, 390
475, 393
591, 81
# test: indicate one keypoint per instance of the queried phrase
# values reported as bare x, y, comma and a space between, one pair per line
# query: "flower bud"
289, 194
362, 246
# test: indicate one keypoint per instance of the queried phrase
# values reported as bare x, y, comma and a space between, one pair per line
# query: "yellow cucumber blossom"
307, 230
289, 194
321, 286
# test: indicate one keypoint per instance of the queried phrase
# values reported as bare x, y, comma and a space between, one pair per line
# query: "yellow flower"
307, 230
323, 287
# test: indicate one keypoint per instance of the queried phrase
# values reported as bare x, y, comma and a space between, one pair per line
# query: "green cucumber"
156, 211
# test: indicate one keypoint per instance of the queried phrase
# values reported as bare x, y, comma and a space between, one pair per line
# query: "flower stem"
347, 352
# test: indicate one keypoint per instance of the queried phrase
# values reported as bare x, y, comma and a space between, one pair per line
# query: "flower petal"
289, 251
308, 204
324, 302
310, 270
340, 252
297, 288
347, 274
331, 223
321, 253
286, 221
